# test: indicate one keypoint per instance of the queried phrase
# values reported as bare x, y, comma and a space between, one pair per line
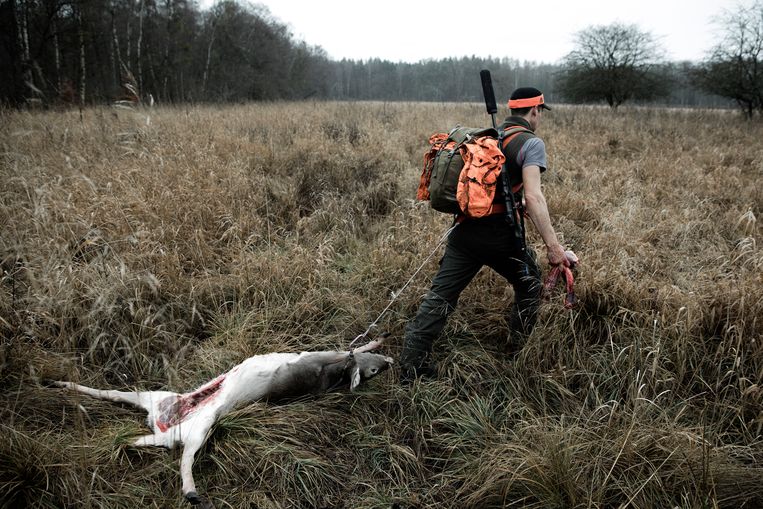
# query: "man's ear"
354, 377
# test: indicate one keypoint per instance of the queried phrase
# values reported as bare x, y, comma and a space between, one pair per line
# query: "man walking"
493, 242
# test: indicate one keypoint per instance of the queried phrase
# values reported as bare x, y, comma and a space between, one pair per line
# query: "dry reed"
157, 254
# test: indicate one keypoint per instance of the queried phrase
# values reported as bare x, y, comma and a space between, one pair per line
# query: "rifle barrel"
487, 92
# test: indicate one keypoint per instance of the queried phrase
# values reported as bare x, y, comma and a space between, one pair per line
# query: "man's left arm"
537, 209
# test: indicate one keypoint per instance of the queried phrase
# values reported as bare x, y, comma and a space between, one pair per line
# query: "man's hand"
556, 255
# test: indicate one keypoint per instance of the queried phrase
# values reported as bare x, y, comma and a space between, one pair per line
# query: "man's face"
534, 117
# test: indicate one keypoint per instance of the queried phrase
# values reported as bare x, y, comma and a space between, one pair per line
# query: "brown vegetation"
157, 248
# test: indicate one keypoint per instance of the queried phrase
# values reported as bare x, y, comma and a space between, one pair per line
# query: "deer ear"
354, 377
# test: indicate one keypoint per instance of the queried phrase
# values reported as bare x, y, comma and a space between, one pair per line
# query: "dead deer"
187, 418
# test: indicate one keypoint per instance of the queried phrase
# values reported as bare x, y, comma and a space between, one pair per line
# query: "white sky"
532, 30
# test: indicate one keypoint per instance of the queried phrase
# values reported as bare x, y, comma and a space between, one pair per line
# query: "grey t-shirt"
533, 152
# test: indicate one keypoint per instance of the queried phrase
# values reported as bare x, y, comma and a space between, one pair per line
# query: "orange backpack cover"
483, 161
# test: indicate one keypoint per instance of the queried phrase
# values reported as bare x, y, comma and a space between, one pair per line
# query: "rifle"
511, 208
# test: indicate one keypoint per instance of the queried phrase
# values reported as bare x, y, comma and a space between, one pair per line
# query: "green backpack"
446, 164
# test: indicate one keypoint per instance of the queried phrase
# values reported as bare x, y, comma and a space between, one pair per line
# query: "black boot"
415, 363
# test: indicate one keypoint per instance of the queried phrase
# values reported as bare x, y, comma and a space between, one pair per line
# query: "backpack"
461, 170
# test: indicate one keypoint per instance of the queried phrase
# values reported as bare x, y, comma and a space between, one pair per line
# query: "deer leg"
155, 440
132, 398
141, 399
193, 439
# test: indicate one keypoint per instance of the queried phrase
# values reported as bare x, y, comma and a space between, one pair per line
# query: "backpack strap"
507, 135
514, 209
512, 132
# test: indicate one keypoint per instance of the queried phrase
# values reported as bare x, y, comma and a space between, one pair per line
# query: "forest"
172, 51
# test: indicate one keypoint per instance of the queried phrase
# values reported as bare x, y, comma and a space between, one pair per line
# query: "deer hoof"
197, 500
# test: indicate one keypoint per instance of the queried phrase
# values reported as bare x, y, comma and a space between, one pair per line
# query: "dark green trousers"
473, 244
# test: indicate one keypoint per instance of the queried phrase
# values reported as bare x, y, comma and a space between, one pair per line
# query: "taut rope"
396, 294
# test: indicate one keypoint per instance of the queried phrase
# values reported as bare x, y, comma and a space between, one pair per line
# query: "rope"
396, 294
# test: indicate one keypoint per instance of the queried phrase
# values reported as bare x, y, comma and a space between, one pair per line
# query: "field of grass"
156, 249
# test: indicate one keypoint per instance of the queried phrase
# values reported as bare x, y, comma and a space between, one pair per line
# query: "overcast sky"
534, 30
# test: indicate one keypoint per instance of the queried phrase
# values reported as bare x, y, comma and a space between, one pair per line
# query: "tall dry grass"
156, 249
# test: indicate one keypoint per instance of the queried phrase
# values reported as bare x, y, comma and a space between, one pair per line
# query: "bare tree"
205, 77
22, 17
115, 52
139, 44
57, 52
614, 63
82, 56
735, 66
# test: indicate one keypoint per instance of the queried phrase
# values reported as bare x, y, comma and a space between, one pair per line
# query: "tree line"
170, 51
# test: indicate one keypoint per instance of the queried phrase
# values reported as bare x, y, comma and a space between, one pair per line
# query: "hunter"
494, 242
